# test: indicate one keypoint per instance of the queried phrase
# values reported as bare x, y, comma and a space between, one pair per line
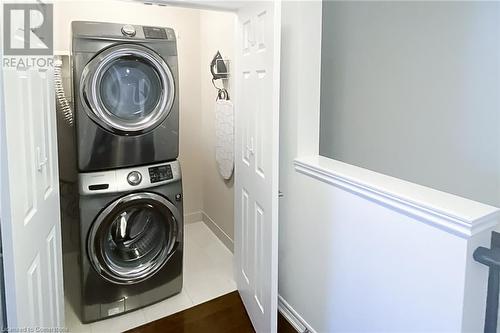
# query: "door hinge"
39, 161
250, 148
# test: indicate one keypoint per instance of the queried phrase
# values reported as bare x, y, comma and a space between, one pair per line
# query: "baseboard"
293, 317
193, 217
223, 237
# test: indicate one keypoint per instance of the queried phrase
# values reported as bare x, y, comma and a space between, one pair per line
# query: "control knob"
128, 30
134, 178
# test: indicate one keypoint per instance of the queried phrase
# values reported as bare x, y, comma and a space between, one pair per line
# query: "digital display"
160, 173
155, 33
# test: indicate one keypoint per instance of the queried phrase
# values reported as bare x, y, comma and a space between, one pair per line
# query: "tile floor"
208, 273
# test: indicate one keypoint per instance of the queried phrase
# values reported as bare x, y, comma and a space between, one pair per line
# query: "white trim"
201, 216
218, 231
297, 322
451, 213
193, 217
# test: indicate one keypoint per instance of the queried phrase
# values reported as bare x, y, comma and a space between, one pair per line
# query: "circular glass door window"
127, 89
133, 238
130, 89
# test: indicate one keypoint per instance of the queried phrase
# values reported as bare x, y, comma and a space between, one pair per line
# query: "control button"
128, 30
134, 178
178, 197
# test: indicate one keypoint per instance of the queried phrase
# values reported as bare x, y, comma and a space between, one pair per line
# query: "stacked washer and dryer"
130, 189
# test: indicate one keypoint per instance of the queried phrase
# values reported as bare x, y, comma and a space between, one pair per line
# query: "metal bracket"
491, 258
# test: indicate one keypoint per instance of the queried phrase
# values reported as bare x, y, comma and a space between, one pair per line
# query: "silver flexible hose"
64, 105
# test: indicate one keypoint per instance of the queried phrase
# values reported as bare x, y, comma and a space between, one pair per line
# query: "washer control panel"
160, 173
123, 180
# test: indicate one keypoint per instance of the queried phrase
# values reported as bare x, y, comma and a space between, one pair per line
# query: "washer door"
134, 237
127, 89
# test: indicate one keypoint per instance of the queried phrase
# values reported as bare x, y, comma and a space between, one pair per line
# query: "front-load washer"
125, 82
131, 239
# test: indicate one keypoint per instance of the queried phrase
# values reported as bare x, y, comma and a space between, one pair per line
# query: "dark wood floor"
225, 314
284, 326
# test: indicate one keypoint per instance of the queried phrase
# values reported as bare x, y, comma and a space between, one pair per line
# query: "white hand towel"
224, 132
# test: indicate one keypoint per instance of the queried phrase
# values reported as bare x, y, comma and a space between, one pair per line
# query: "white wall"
216, 33
347, 261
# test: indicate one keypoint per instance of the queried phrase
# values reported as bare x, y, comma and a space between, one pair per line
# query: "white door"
257, 158
31, 235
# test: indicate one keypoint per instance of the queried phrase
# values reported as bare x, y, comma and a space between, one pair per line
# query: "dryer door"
133, 238
127, 89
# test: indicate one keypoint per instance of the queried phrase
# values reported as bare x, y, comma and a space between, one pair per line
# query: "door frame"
5, 214
226, 6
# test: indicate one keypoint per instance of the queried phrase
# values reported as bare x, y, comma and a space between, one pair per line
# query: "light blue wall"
412, 90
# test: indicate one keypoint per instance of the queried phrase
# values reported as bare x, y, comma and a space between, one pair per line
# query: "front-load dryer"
125, 82
131, 239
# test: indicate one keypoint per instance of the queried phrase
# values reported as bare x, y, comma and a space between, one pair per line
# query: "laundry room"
147, 198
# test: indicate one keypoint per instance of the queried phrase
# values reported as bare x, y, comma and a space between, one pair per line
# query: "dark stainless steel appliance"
126, 95
131, 238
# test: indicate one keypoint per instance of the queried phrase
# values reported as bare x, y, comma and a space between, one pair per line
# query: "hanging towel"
224, 141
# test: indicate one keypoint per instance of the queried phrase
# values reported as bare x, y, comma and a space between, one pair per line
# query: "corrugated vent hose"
64, 105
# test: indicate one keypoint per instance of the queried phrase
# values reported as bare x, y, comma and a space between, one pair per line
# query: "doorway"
208, 198
33, 274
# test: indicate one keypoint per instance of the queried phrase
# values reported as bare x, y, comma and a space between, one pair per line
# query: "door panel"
56, 307
47, 132
256, 181
31, 235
